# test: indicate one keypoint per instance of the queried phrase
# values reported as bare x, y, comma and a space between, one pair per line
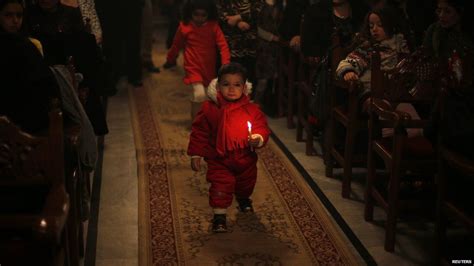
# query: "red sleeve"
260, 125
178, 44
222, 45
199, 141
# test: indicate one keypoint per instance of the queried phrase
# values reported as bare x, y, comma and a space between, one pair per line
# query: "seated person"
450, 40
28, 86
11, 20
48, 17
341, 18
381, 34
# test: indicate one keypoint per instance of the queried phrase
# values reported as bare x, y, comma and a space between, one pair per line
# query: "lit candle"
249, 125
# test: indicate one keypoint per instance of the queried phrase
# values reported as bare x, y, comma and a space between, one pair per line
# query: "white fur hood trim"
212, 89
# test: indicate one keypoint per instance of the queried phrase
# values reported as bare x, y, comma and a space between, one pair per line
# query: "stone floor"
117, 239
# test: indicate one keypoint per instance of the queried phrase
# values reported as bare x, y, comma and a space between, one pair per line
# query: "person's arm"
178, 44
260, 129
266, 35
223, 46
356, 62
199, 145
252, 17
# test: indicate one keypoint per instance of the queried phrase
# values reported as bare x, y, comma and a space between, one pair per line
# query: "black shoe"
219, 223
151, 68
245, 205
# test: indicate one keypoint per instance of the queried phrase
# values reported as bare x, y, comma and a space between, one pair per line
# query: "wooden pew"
306, 72
34, 204
287, 68
346, 114
400, 155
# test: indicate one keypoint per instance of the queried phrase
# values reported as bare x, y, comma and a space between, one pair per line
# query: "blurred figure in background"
121, 24
147, 37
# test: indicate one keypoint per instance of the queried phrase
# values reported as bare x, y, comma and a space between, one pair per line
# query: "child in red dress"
198, 34
220, 134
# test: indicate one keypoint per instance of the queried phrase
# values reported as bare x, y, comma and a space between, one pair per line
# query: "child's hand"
196, 164
233, 20
351, 76
169, 65
243, 26
295, 42
254, 141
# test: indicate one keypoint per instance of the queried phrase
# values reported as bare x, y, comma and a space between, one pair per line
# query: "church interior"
236, 132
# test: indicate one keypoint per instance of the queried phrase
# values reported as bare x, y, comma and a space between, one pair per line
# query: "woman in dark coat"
321, 22
451, 39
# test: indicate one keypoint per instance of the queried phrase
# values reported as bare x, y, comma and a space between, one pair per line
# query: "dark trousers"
121, 24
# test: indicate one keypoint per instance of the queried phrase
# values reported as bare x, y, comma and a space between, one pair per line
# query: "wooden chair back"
343, 109
287, 73
34, 205
399, 153
26, 159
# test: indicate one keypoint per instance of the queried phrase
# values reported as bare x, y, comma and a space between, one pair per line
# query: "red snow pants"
234, 174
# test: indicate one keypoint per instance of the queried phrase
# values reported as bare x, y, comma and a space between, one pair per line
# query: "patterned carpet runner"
289, 226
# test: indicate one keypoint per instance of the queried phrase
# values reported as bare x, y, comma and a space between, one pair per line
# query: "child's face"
199, 16
376, 28
232, 86
11, 17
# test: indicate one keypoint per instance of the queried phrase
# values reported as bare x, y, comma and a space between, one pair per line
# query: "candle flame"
249, 125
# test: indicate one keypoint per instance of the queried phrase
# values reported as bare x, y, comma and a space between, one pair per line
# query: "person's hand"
233, 20
295, 43
254, 141
275, 38
196, 164
351, 76
243, 26
169, 64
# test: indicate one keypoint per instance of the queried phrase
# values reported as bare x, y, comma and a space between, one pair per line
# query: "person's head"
11, 16
231, 81
199, 11
48, 5
450, 12
380, 24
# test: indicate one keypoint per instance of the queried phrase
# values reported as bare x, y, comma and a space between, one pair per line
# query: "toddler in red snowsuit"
220, 134
199, 34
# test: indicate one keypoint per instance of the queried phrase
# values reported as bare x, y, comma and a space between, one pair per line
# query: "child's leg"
222, 185
198, 96
247, 177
